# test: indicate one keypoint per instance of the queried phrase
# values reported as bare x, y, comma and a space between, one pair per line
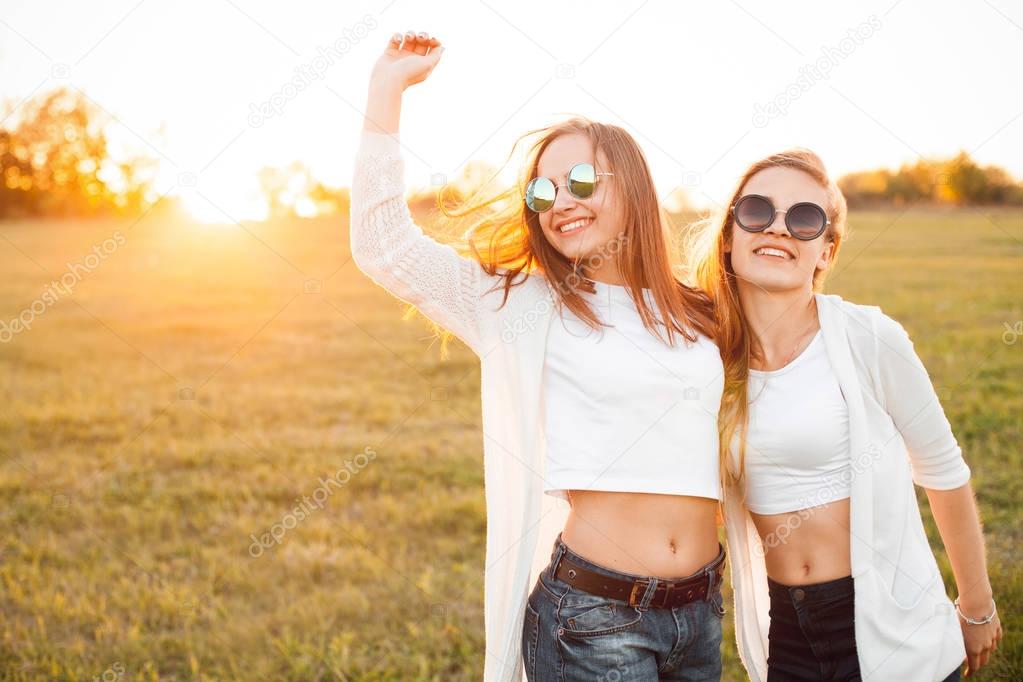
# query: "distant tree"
914, 183
273, 183
55, 161
16, 190
292, 191
959, 181
866, 187
330, 200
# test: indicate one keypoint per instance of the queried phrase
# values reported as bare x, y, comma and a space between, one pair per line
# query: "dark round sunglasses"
805, 220
541, 192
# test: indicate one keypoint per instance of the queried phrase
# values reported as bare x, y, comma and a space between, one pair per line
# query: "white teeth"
767, 251
575, 225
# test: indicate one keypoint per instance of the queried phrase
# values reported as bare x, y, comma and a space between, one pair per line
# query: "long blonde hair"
505, 237
713, 273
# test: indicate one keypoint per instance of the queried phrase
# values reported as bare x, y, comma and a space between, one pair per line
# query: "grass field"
198, 382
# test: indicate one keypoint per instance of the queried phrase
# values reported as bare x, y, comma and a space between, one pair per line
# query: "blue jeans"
571, 635
812, 636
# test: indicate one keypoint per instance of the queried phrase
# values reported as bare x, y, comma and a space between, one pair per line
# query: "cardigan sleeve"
909, 396
395, 253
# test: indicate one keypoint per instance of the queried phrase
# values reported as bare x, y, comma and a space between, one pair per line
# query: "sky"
705, 88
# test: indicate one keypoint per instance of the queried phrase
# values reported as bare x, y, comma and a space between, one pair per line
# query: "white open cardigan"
906, 627
452, 291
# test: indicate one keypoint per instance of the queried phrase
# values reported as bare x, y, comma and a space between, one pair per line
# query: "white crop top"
623, 410
797, 447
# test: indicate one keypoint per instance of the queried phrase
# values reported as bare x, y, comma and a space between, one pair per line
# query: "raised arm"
938, 466
385, 242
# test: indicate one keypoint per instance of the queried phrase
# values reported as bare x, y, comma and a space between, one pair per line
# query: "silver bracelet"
982, 621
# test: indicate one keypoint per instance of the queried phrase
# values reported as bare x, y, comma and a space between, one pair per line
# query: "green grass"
191, 390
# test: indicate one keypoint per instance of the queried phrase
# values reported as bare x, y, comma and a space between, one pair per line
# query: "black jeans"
812, 635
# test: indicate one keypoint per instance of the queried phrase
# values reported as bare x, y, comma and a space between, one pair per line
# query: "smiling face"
774, 260
580, 228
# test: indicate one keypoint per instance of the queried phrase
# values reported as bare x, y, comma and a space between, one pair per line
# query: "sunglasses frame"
824, 227
596, 181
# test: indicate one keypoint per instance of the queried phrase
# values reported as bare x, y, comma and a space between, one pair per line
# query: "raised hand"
407, 60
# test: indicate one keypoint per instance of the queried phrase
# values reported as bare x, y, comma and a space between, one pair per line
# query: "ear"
824, 262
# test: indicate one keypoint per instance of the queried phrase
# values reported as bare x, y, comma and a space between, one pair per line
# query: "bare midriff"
806, 546
648, 534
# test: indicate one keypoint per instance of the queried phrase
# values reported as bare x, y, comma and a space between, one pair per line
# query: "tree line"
958, 181
56, 160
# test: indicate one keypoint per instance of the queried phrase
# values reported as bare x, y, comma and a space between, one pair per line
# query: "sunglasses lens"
540, 193
581, 180
806, 220
753, 212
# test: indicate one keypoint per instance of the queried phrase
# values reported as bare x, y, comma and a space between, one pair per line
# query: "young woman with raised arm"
600, 387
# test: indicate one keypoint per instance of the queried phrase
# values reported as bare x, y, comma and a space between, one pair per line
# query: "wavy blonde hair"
713, 273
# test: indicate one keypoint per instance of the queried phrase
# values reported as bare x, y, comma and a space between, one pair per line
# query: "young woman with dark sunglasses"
600, 388
828, 419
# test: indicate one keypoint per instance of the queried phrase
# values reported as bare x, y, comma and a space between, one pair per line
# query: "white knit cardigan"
906, 627
452, 291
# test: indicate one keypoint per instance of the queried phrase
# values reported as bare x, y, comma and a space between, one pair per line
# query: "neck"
607, 272
778, 320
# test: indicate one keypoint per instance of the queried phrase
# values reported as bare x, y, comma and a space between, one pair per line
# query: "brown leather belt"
669, 593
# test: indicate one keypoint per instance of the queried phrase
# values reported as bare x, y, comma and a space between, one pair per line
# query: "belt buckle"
635, 588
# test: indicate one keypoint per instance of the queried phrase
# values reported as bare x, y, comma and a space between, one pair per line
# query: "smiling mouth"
574, 226
772, 253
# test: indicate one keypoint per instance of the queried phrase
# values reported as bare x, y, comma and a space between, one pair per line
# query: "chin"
574, 254
567, 253
770, 282
777, 286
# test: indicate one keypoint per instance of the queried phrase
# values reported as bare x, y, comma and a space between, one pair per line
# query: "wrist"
385, 86
976, 600
976, 615
383, 107
977, 611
